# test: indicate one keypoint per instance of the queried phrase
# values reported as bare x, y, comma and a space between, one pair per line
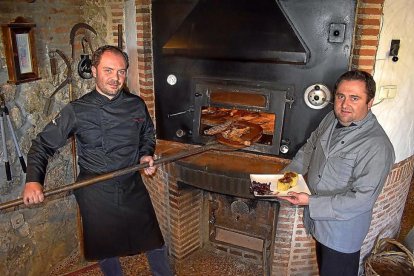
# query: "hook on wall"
395, 47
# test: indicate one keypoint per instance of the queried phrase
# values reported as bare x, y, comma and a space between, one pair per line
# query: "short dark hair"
96, 57
367, 78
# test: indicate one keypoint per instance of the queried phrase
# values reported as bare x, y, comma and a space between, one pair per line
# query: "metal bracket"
289, 101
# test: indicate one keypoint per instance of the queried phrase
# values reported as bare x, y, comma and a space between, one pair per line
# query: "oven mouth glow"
215, 116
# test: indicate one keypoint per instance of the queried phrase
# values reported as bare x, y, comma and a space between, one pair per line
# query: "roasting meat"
218, 128
235, 133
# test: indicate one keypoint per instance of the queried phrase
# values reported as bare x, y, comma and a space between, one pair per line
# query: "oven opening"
240, 113
212, 116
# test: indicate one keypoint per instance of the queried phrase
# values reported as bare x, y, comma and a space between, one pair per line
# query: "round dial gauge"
317, 96
171, 79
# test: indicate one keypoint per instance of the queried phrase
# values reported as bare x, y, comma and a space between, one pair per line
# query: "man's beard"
110, 93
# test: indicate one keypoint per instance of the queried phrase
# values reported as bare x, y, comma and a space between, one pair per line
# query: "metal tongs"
4, 112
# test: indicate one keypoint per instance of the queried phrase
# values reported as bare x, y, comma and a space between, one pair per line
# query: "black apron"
117, 215
118, 218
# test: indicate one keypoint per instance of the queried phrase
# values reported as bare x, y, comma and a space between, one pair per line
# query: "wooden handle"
107, 176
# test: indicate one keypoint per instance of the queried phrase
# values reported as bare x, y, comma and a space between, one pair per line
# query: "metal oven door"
262, 103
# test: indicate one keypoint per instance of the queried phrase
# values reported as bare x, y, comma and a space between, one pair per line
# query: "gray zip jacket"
346, 169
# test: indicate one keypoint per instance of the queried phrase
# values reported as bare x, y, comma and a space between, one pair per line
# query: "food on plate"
280, 184
260, 188
284, 183
294, 177
289, 180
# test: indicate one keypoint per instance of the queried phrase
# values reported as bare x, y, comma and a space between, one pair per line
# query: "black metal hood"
238, 30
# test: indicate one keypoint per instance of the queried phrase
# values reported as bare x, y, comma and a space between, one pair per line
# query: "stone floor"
132, 266
203, 262
206, 262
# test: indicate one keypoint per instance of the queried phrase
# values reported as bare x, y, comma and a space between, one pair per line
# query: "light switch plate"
387, 92
392, 91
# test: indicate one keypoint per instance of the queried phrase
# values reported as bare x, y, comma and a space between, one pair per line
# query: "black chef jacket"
117, 215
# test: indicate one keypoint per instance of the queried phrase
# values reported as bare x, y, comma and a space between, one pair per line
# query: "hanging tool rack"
4, 114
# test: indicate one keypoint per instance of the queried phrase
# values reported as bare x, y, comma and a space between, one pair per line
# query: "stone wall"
33, 240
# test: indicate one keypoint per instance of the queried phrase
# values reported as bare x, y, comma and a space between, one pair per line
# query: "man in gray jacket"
347, 160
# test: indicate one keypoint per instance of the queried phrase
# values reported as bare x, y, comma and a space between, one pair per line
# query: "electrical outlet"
387, 92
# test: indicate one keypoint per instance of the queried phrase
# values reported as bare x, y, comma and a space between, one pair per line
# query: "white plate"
301, 187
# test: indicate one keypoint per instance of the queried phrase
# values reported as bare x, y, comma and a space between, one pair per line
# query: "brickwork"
144, 44
366, 37
116, 17
178, 211
302, 258
283, 239
186, 206
157, 186
294, 252
390, 205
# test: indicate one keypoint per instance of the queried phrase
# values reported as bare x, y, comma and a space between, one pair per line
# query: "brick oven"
278, 59
182, 209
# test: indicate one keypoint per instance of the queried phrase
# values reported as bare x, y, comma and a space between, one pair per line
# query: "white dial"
171, 79
317, 96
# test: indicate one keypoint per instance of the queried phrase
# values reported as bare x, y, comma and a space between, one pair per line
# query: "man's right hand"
33, 193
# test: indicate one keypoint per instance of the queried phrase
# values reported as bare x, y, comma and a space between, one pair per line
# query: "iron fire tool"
4, 112
111, 175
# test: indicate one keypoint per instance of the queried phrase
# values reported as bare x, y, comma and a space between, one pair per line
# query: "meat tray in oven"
223, 103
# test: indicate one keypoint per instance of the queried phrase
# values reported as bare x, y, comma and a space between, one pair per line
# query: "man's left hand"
148, 159
296, 198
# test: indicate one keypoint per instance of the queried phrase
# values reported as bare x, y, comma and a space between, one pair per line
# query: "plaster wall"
397, 115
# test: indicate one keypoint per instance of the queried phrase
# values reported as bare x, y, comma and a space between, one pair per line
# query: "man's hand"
296, 198
33, 193
148, 159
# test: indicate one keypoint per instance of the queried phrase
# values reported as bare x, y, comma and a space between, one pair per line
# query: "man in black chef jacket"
113, 130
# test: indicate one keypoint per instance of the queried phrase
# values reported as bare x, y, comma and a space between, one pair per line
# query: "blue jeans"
157, 259
111, 266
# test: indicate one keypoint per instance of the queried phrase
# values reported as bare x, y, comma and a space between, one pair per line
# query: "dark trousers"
157, 259
332, 262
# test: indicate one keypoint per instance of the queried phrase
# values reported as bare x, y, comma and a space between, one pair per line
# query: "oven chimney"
242, 30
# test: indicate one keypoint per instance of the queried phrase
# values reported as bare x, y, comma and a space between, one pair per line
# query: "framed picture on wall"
19, 45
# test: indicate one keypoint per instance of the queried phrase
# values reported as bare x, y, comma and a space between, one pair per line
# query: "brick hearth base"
180, 213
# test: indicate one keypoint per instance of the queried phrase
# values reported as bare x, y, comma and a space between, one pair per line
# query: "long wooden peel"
111, 175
